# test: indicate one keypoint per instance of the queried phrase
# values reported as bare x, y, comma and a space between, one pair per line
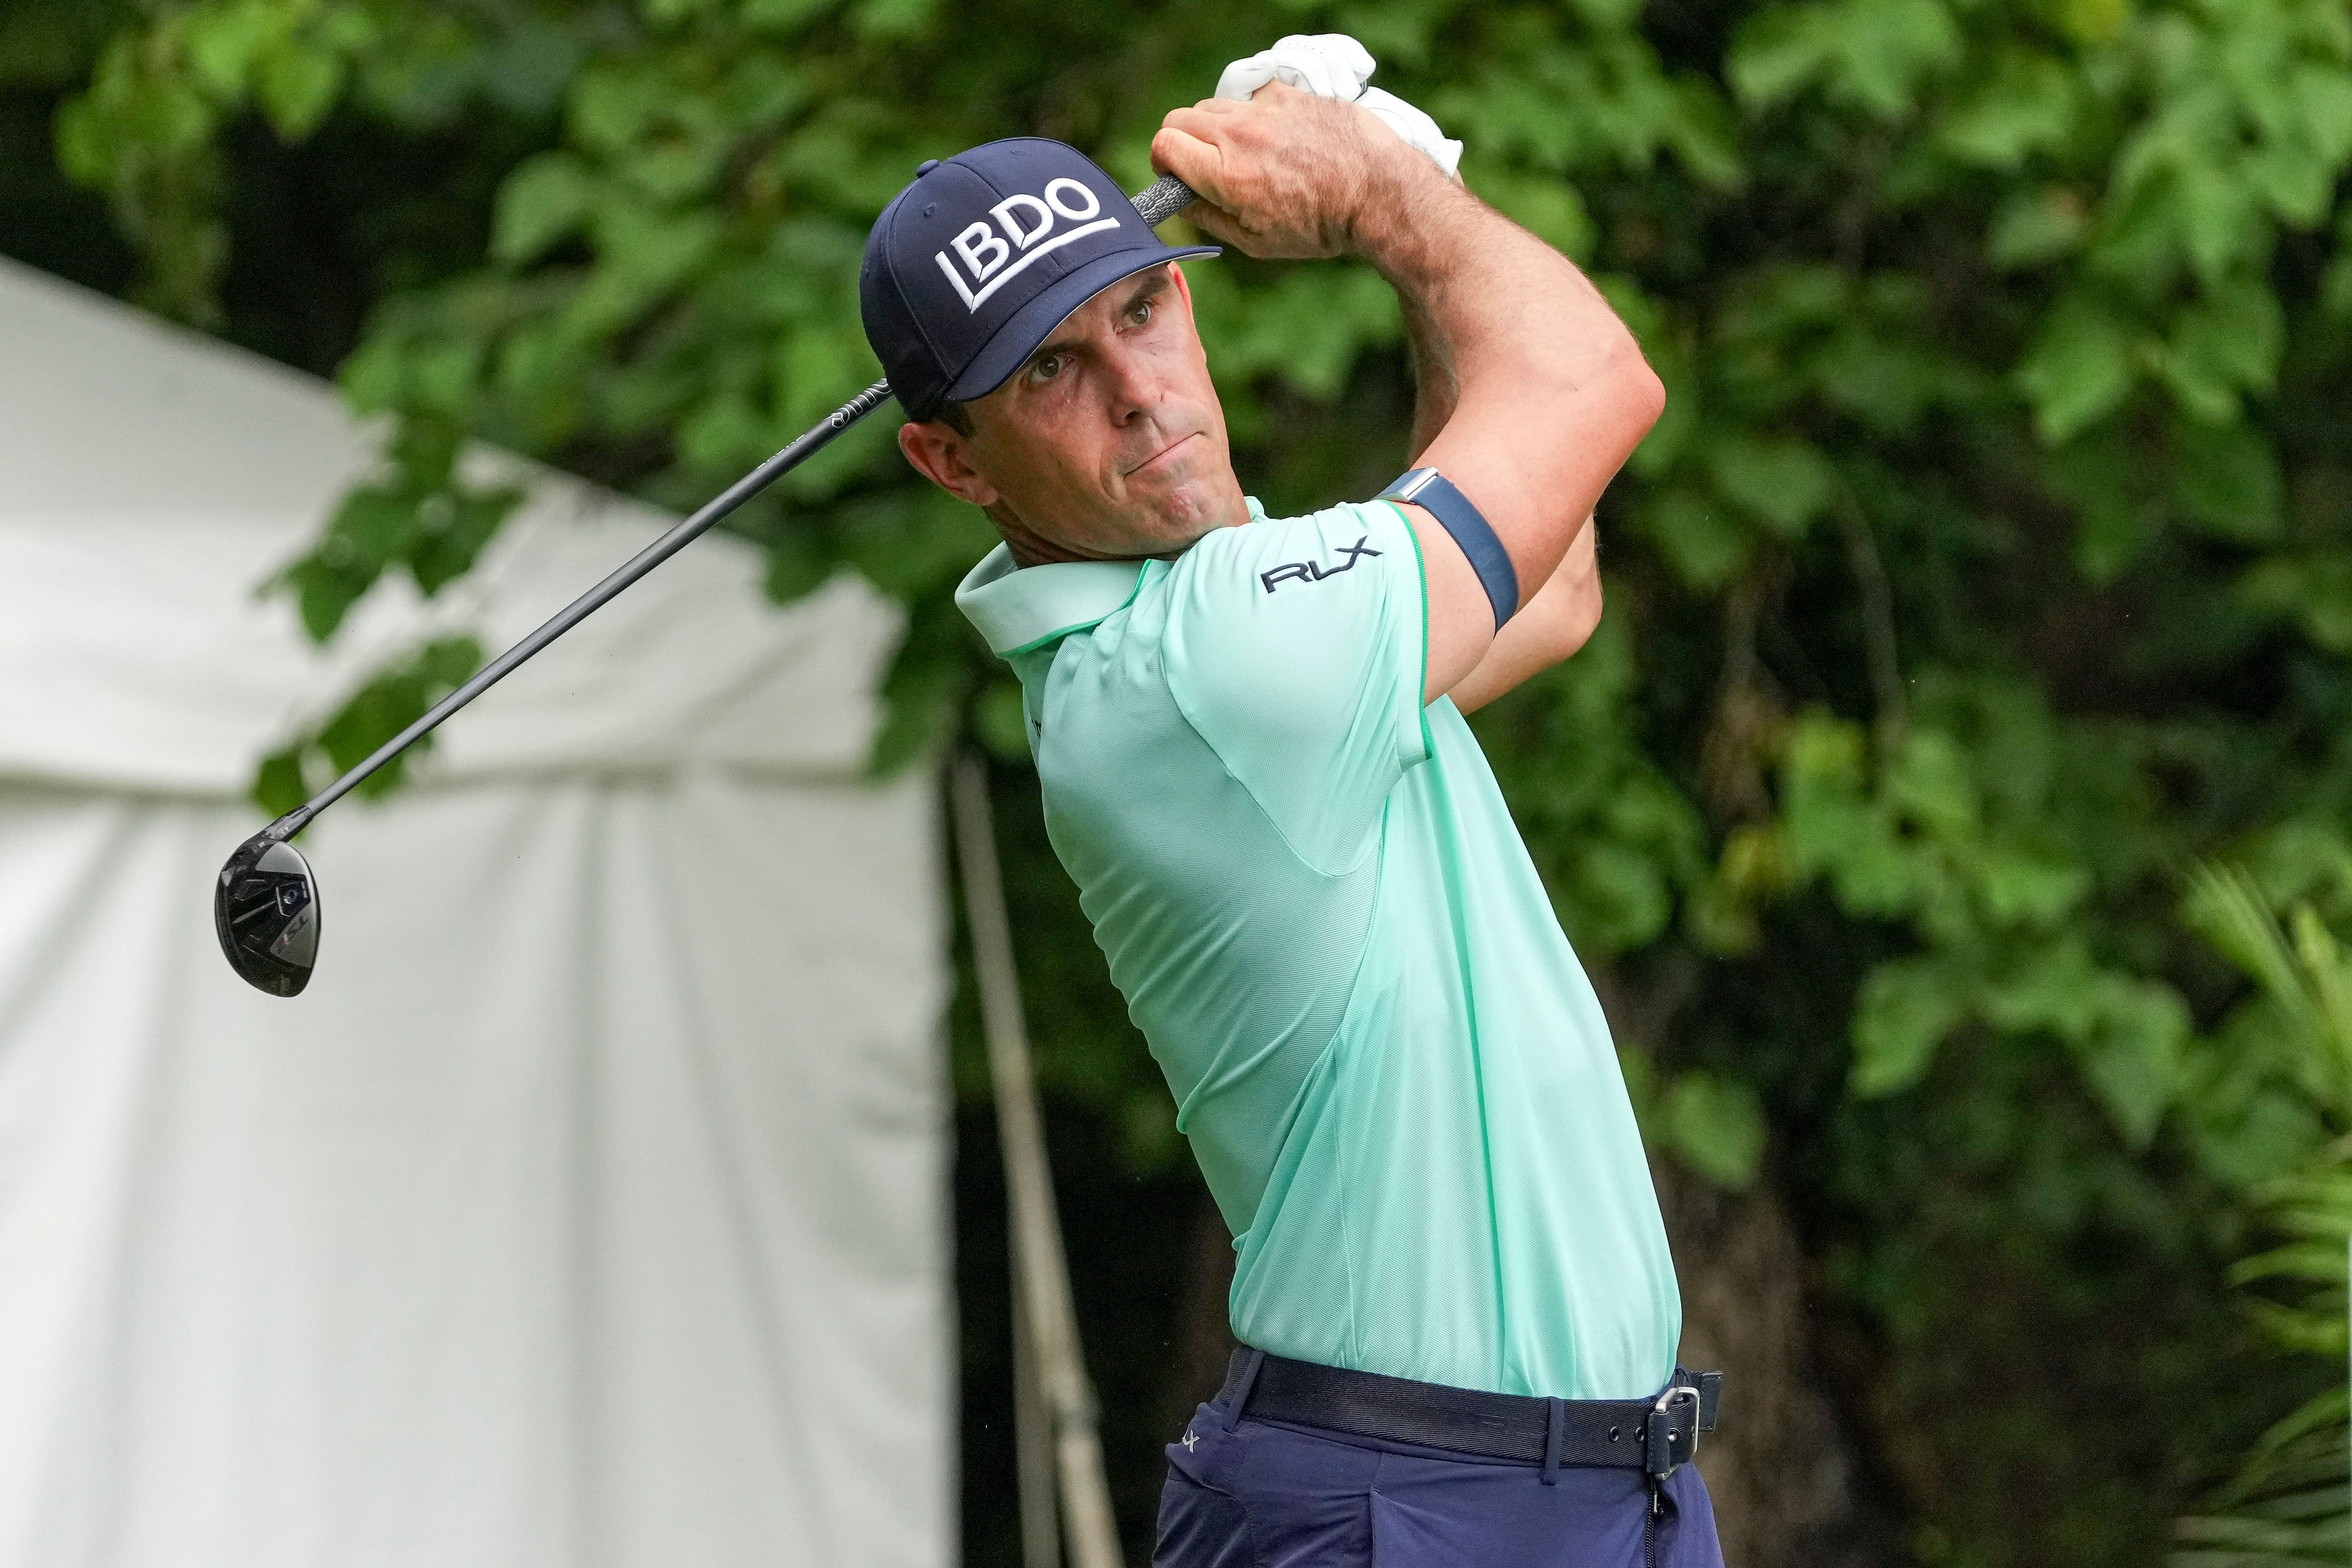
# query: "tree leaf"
545, 200
2107, 480
1783, 481
297, 86
1699, 536
2131, 1062
278, 785
2025, 889
2026, 102
371, 528
392, 700
2315, 586
2228, 482
448, 550
2228, 341
1870, 55
1715, 1127
1904, 1012
2080, 368
324, 594
2033, 227
1928, 781
224, 42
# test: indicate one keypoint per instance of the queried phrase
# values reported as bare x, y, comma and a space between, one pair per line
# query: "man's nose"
1132, 383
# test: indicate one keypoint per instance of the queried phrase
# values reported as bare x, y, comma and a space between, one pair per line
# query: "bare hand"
1285, 174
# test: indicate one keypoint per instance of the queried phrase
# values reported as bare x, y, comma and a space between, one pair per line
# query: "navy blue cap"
971, 267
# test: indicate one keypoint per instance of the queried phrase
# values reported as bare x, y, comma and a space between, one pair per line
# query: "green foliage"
1992, 566
2290, 1504
1978, 866
2291, 1501
1710, 1124
389, 702
423, 516
166, 92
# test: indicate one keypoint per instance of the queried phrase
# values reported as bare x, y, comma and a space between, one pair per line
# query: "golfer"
1453, 1287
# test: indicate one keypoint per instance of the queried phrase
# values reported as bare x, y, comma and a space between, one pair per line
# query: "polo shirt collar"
1018, 608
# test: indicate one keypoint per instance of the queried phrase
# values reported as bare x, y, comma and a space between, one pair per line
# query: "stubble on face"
1109, 443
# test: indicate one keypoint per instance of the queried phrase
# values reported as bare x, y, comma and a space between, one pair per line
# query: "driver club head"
266, 908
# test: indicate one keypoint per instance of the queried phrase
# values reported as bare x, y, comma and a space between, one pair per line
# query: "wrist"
1400, 193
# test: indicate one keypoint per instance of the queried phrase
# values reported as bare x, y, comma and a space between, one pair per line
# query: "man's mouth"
1157, 458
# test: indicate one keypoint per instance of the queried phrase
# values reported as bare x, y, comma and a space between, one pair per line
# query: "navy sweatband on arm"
1436, 494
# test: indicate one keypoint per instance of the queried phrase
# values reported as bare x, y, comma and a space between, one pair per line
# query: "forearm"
1525, 376
1549, 627
1437, 245
1484, 300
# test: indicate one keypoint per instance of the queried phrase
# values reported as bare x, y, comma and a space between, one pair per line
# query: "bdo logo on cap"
985, 251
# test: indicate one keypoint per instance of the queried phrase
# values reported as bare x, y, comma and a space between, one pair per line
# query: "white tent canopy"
588, 1205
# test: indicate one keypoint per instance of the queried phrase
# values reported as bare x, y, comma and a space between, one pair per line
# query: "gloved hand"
1333, 65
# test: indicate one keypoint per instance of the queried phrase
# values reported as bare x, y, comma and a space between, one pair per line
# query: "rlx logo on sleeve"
985, 251
1308, 571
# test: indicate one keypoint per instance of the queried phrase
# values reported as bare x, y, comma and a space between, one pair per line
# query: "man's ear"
1183, 290
937, 453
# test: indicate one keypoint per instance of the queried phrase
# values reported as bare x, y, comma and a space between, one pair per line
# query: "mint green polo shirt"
1391, 1069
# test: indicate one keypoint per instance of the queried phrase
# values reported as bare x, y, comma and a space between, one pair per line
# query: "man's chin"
1191, 504
1160, 519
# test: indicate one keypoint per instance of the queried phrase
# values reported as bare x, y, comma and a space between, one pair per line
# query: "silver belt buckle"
1667, 1448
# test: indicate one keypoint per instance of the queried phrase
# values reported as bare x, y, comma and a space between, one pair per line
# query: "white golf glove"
1333, 65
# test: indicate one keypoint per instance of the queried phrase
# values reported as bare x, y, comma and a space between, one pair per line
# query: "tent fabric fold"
589, 1207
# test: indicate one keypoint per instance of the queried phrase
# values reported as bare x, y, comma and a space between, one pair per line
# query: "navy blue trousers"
1269, 1494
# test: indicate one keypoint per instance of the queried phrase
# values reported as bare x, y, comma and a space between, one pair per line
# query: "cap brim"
1034, 322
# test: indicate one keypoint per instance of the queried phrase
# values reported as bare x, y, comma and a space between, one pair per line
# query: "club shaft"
588, 603
1156, 204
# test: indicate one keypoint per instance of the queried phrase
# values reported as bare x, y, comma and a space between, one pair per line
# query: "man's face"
1107, 443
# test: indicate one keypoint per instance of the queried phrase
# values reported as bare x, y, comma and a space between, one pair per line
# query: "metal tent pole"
1041, 1272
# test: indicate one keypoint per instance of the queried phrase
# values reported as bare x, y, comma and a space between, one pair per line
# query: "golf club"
266, 905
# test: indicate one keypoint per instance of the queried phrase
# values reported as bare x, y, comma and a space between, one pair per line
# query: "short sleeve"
1295, 648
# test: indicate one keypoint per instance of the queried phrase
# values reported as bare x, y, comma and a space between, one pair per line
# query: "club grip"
1162, 199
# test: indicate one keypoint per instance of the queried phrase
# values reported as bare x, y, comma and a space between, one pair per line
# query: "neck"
1030, 548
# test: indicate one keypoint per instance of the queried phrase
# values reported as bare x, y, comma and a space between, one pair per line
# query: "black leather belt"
1654, 1436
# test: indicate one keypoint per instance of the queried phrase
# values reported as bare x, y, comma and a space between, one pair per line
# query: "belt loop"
1554, 1419
1241, 1394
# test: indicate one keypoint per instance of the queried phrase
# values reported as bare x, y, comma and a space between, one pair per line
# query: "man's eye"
1045, 366
1141, 314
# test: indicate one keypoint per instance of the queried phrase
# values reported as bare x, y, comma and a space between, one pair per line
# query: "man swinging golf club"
1453, 1288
